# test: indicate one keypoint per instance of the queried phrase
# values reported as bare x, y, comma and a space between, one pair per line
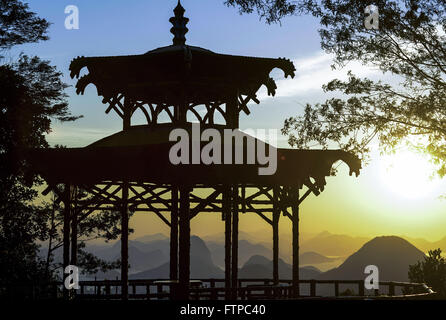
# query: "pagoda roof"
141, 154
166, 74
178, 73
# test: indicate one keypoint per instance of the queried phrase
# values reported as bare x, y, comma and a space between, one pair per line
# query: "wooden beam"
227, 216
124, 241
275, 225
66, 235
74, 223
174, 235
232, 112
295, 233
259, 213
301, 199
205, 202
184, 244
235, 217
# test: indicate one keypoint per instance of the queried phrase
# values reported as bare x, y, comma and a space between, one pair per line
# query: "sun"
408, 174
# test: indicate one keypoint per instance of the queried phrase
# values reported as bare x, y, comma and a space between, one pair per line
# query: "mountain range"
149, 257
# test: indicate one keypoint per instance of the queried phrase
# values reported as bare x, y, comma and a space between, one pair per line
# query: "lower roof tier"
141, 154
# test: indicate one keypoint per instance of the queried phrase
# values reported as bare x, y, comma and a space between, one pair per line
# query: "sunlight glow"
408, 174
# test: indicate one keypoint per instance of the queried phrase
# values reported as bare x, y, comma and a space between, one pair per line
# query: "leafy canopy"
407, 107
432, 271
18, 25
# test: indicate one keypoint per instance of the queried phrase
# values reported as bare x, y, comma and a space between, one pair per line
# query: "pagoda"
130, 171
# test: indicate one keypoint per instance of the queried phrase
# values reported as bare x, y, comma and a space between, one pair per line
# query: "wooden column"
184, 244
226, 207
174, 235
235, 216
232, 114
66, 235
275, 225
127, 114
124, 242
295, 223
74, 215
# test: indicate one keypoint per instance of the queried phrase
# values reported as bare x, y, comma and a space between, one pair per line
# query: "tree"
18, 25
271, 10
409, 45
31, 97
431, 271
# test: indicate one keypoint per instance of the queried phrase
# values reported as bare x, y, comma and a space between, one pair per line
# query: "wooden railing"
248, 289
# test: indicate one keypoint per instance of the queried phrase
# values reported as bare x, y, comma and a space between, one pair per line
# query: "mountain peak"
324, 233
391, 254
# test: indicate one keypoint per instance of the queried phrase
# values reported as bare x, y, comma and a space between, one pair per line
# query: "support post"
174, 235
66, 235
74, 216
295, 222
235, 217
232, 114
184, 245
127, 114
226, 207
124, 242
275, 225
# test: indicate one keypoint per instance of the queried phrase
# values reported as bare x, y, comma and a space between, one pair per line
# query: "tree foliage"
19, 25
431, 271
270, 10
410, 45
31, 97
405, 107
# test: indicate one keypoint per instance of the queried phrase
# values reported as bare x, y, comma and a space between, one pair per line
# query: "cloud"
76, 136
311, 73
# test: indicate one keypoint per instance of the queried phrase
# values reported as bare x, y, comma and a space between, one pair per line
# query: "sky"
381, 201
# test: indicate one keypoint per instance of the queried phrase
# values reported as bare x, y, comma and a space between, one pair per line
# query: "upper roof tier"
178, 73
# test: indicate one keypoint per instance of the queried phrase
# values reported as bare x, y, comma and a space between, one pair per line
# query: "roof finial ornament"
179, 28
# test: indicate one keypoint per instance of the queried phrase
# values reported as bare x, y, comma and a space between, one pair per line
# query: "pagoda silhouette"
178, 86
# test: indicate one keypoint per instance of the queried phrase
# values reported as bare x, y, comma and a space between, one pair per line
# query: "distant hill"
261, 267
139, 260
425, 245
439, 244
152, 237
245, 250
201, 264
253, 237
312, 257
392, 255
333, 244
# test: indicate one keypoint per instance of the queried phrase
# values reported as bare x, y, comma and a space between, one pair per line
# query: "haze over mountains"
260, 267
149, 257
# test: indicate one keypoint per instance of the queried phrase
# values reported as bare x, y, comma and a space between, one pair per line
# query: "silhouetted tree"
31, 96
103, 225
431, 271
18, 25
410, 44
271, 10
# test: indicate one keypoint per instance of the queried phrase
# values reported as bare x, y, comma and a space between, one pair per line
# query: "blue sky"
116, 27
133, 27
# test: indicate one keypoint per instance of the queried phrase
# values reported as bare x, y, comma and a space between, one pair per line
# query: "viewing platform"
247, 289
